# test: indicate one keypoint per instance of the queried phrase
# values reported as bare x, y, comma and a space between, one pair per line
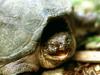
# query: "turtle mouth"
58, 55
52, 60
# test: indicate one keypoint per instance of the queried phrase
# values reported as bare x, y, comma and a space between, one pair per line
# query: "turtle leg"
25, 64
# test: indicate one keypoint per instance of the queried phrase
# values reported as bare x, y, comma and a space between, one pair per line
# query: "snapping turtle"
34, 33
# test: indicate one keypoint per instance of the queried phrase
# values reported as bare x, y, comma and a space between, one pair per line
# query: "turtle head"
58, 43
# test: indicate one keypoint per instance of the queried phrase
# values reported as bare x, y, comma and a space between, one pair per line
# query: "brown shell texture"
21, 25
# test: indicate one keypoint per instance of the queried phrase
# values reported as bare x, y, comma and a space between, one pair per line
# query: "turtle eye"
52, 48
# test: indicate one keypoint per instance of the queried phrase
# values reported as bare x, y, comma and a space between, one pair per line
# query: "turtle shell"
22, 22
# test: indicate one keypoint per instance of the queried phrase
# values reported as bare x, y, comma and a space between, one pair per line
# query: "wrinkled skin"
56, 50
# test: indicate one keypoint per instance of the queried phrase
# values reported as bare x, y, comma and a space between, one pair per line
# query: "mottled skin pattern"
56, 50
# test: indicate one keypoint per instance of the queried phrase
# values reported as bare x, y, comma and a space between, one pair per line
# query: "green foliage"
95, 4
94, 38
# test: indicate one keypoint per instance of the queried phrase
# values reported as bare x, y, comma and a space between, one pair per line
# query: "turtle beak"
60, 55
